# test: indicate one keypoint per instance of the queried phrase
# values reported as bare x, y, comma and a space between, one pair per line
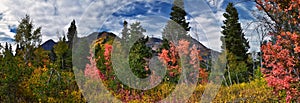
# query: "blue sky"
97, 15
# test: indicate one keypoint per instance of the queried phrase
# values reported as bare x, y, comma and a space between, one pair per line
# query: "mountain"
154, 43
105, 34
205, 52
48, 45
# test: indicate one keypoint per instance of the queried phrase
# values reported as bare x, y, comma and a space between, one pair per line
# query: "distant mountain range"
83, 44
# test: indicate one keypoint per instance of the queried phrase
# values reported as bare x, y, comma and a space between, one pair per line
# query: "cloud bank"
97, 15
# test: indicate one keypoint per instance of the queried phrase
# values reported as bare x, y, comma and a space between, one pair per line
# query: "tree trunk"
225, 80
229, 76
238, 81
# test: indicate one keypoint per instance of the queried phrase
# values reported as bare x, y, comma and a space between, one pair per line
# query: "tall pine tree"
72, 33
178, 14
125, 32
138, 51
136, 31
131, 35
236, 46
72, 36
177, 27
234, 38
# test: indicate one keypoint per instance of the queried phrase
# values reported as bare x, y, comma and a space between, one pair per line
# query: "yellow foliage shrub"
255, 91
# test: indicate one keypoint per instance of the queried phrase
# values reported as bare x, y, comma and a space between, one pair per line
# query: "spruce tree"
136, 31
236, 47
233, 36
72, 33
125, 32
8, 50
177, 27
18, 50
138, 51
125, 37
178, 14
131, 35
72, 36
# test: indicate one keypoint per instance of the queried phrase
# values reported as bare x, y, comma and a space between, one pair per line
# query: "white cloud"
90, 15
206, 23
208, 31
152, 23
56, 15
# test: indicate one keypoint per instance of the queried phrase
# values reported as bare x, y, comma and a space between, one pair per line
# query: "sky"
55, 16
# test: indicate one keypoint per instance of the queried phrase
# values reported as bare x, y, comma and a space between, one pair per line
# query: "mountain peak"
48, 45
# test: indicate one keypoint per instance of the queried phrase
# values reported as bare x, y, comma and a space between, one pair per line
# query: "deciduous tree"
281, 55
60, 50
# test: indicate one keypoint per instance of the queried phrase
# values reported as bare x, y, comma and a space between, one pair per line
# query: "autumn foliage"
30, 75
171, 57
281, 65
91, 69
281, 56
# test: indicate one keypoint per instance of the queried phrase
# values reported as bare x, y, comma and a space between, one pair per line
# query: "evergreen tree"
136, 31
178, 14
72, 36
18, 50
131, 35
139, 53
10, 84
236, 48
233, 36
8, 51
72, 33
177, 27
28, 38
125, 32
